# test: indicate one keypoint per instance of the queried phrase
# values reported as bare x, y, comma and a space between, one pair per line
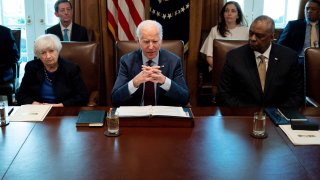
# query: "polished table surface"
218, 147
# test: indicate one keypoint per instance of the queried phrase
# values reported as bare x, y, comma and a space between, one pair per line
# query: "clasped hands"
148, 73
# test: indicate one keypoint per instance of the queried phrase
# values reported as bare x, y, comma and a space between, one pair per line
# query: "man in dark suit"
261, 73
67, 30
164, 73
9, 53
297, 34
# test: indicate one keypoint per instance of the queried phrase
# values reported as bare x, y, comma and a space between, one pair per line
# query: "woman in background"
51, 79
231, 26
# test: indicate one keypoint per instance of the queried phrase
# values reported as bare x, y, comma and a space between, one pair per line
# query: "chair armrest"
94, 98
312, 102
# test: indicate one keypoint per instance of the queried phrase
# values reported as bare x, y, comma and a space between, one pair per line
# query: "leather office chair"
220, 50
86, 55
312, 69
124, 47
10, 88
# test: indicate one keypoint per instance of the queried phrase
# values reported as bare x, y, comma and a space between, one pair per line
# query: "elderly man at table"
261, 73
150, 75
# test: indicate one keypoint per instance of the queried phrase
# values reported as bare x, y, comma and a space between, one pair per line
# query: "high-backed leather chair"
220, 50
86, 55
312, 68
124, 47
10, 88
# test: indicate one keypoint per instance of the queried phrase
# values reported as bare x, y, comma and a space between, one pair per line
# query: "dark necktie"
149, 97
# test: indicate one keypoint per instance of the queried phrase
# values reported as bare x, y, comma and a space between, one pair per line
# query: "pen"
10, 111
162, 66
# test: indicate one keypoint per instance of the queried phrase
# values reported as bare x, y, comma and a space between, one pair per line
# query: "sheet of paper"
141, 111
30, 113
301, 137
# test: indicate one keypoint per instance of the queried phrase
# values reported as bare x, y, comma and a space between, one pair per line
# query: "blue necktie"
65, 35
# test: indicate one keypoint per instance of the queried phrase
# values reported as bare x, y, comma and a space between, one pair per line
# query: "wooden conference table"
218, 147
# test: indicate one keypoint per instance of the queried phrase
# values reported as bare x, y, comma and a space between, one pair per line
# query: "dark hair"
314, 1
56, 5
222, 27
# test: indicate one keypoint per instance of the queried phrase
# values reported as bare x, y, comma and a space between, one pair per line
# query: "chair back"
9, 88
17, 36
124, 47
312, 68
86, 55
220, 50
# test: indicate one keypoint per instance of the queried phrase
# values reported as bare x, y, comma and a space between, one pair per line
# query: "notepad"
31, 113
93, 118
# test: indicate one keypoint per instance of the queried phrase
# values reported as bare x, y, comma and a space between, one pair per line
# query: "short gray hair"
266, 19
149, 23
47, 41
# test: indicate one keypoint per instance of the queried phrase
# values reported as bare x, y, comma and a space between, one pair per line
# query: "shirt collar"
265, 54
69, 27
145, 59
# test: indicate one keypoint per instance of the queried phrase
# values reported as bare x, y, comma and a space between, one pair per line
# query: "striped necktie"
262, 70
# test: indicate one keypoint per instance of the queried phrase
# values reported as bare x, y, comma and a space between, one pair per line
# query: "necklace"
47, 77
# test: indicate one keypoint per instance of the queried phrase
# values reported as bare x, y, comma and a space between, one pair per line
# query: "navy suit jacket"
293, 35
78, 33
8, 51
68, 86
130, 66
240, 84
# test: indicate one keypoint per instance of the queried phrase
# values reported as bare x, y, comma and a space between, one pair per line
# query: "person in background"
51, 79
297, 35
231, 26
67, 30
150, 75
261, 73
9, 54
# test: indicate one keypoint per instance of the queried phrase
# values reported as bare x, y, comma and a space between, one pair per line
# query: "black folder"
92, 118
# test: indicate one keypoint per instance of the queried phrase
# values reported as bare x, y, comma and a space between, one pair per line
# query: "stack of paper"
301, 137
31, 113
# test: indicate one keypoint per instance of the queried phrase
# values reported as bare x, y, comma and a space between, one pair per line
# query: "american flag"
123, 18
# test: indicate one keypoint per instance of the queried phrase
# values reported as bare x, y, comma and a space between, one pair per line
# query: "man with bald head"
261, 73
150, 75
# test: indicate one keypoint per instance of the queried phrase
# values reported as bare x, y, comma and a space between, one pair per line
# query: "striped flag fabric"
123, 18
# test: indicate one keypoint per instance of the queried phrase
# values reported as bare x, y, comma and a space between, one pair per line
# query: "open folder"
31, 113
155, 116
150, 111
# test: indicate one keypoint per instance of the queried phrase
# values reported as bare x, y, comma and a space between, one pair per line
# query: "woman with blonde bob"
49, 79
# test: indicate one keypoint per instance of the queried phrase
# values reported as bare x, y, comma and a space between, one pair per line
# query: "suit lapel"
272, 67
253, 70
163, 61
